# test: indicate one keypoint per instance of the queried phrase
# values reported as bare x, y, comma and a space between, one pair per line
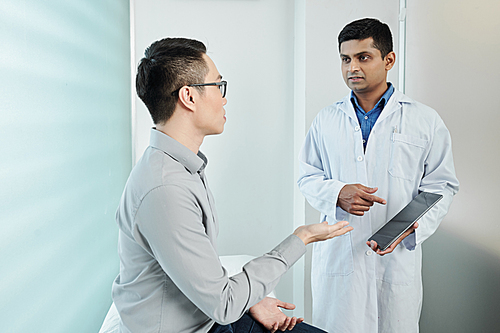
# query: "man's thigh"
247, 324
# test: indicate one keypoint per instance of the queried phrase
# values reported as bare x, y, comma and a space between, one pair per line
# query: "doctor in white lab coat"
355, 286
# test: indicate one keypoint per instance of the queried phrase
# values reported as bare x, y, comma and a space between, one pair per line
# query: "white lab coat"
409, 150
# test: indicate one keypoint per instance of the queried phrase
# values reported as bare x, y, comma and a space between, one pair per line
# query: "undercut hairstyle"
168, 65
366, 28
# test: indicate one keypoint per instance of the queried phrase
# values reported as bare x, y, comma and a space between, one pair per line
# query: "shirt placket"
209, 197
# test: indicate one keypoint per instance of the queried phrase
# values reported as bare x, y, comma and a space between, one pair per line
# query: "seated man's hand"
318, 232
374, 246
357, 199
268, 313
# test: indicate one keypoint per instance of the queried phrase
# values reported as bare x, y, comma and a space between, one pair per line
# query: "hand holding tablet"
403, 222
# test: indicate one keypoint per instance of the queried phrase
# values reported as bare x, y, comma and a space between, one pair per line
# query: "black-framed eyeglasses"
222, 86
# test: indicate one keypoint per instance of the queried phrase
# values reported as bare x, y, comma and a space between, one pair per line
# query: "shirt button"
364, 141
356, 128
360, 158
369, 252
366, 117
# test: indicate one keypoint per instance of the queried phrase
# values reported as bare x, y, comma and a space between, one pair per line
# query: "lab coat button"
360, 158
369, 252
356, 128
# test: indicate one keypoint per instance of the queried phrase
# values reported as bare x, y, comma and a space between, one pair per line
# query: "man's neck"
368, 100
182, 135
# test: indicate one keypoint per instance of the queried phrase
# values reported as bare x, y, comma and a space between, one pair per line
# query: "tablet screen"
403, 220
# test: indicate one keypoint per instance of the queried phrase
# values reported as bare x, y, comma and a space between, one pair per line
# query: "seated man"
171, 279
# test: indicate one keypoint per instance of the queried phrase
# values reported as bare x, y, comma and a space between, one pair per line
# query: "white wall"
451, 49
449, 67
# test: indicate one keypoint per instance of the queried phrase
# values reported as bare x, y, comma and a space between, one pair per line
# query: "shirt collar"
381, 103
191, 161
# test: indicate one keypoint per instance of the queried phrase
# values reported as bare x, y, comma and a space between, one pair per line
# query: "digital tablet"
403, 220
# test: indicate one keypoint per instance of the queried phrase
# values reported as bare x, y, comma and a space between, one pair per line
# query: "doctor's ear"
390, 60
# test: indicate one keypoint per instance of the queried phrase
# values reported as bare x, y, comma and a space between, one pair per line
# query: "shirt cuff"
292, 248
340, 214
410, 241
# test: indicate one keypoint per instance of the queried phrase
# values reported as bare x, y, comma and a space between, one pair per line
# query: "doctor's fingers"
362, 201
362, 204
388, 250
370, 198
393, 245
397, 241
359, 210
366, 188
372, 245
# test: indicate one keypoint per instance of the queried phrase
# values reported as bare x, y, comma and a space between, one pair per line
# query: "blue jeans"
247, 324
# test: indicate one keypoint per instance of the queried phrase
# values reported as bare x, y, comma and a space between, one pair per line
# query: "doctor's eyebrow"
357, 54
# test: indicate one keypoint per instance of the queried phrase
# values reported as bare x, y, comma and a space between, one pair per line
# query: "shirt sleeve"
169, 225
439, 177
322, 193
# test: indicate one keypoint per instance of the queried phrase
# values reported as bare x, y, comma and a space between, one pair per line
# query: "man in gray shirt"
171, 279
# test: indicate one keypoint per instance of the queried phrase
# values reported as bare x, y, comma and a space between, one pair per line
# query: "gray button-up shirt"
171, 279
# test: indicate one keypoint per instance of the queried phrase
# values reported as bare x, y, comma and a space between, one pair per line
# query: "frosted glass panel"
64, 158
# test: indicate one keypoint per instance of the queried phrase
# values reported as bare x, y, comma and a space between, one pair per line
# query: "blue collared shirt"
368, 119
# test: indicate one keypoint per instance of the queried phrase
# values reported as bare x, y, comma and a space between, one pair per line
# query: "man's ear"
187, 97
390, 60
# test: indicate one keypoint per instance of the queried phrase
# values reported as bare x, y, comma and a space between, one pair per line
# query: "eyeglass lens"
222, 88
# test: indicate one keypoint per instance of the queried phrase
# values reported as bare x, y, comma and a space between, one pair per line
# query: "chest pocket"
406, 153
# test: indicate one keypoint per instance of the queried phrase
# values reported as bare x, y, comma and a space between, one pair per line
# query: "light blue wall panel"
65, 154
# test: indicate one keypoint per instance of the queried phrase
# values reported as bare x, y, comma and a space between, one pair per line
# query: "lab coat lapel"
395, 103
345, 106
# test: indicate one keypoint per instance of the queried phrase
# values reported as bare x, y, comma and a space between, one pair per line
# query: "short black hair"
366, 28
168, 65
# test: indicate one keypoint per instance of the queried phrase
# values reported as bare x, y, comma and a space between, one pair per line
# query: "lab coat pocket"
406, 153
397, 267
336, 256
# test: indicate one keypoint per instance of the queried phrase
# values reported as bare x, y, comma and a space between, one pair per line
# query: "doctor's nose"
354, 66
